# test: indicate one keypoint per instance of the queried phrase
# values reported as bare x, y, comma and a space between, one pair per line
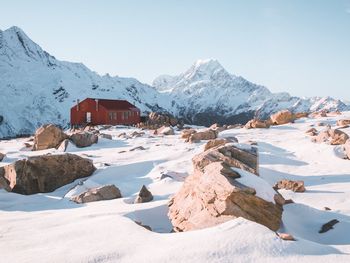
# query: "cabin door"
88, 117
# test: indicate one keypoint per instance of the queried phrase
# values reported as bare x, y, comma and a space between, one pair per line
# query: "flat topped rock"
106, 192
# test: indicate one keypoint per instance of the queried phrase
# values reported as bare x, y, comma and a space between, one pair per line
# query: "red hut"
102, 111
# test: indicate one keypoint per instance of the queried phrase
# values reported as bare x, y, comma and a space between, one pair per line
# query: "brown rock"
45, 173
343, 122
63, 146
165, 130
312, 132
285, 236
187, 133
257, 124
48, 136
295, 186
144, 196
218, 142
136, 134
318, 114
334, 137
300, 115
203, 135
282, 117
106, 192
210, 197
84, 139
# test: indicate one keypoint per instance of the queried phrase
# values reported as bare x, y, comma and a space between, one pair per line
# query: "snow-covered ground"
50, 228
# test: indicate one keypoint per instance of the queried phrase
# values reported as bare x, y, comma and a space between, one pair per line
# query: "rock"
328, 226
84, 139
295, 186
2, 156
157, 120
144, 226
106, 192
45, 173
257, 124
144, 196
319, 114
210, 197
48, 136
187, 133
320, 124
203, 135
245, 159
166, 131
217, 142
234, 126
279, 199
136, 134
343, 122
334, 137
289, 201
4, 184
285, 236
106, 136
123, 134
217, 127
312, 132
137, 148
63, 146
327, 208
282, 117
300, 115
346, 147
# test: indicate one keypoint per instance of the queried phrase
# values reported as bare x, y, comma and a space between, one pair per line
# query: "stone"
84, 139
344, 122
106, 192
136, 134
203, 135
257, 124
328, 226
318, 114
210, 197
286, 237
187, 133
2, 156
144, 196
334, 137
141, 148
295, 186
218, 142
312, 132
166, 131
45, 173
105, 136
144, 226
300, 115
48, 136
63, 146
282, 117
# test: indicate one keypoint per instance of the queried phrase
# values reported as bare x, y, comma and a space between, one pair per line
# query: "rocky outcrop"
343, 122
295, 186
245, 159
48, 136
282, 117
84, 139
42, 174
106, 192
257, 124
311, 132
332, 136
212, 195
203, 135
187, 133
144, 196
218, 142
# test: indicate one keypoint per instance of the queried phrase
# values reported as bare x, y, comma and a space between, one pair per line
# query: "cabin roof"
115, 104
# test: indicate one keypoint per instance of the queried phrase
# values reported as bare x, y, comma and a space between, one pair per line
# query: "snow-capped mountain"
207, 93
37, 88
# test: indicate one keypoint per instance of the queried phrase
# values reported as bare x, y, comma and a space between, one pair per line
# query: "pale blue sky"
298, 46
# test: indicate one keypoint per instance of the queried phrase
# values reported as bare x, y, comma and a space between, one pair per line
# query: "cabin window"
112, 116
126, 115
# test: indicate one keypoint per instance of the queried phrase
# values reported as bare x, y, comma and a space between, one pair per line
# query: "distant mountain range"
37, 88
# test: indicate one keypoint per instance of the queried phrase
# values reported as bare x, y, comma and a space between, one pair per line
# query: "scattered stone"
144, 196
48, 136
203, 135
320, 124
2, 156
289, 201
136, 134
282, 117
106, 192
285, 236
106, 136
84, 139
234, 126
164, 175
257, 124
214, 143
328, 226
28, 145
217, 127
334, 137
45, 173
295, 186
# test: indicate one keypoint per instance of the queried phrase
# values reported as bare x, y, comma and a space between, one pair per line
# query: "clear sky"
298, 46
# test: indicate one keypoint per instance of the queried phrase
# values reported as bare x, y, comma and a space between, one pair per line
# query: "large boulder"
165, 130
218, 142
144, 196
106, 192
203, 135
257, 124
282, 117
343, 122
45, 173
48, 136
245, 159
332, 136
84, 139
213, 196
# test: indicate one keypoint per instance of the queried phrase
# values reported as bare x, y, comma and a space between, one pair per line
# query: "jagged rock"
334, 137
343, 122
211, 196
63, 146
245, 159
2, 156
217, 142
257, 124
106, 136
48, 136
106, 192
144, 196
328, 226
295, 186
84, 139
45, 173
187, 133
203, 135
312, 132
285, 236
282, 117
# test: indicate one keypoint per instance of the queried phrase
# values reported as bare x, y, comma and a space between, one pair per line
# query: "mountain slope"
207, 93
37, 88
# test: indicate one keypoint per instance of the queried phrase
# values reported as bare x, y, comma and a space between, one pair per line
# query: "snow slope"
50, 228
206, 93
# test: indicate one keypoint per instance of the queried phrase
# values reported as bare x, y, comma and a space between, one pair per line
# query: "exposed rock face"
187, 133
312, 132
84, 139
144, 196
282, 117
2, 156
42, 174
257, 124
211, 196
203, 135
218, 142
334, 137
343, 122
106, 192
295, 186
48, 136
231, 155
